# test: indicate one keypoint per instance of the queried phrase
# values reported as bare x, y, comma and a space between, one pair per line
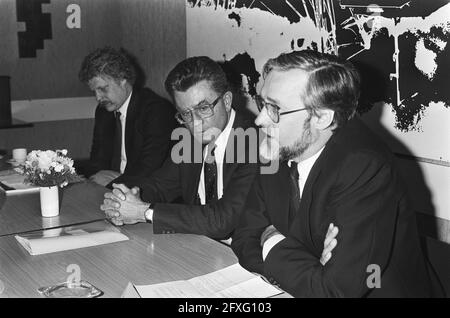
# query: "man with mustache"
133, 125
332, 170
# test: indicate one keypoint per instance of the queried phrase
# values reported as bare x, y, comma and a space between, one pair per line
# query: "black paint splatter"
376, 64
279, 8
38, 26
242, 64
235, 16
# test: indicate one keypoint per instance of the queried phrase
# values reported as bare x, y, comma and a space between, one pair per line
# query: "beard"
270, 148
302, 144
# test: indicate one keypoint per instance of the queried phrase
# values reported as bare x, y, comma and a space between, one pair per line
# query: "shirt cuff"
149, 214
271, 242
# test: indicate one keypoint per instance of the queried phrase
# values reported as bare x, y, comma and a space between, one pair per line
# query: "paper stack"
13, 182
230, 282
68, 241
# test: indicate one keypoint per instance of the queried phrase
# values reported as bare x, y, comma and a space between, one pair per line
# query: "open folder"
69, 238
230, 282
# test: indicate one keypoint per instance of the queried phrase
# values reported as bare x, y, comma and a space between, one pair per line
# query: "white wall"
53, 109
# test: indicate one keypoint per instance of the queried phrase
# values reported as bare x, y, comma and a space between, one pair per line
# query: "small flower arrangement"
48, 168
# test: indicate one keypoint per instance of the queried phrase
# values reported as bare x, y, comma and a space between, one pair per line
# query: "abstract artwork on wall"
399, 46
38, 26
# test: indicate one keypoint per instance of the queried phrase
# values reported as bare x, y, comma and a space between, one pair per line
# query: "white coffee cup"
19, 154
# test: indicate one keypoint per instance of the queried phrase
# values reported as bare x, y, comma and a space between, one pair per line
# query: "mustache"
269, 132
104, 103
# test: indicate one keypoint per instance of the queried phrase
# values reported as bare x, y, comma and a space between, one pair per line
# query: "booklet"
69, 238
13, 182
230, 282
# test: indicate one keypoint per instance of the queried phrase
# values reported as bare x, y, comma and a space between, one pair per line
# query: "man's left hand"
124, 205
329, 244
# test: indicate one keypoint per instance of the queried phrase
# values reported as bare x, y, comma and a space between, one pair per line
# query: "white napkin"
76, 239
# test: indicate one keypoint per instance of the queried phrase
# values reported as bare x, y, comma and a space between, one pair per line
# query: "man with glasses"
333, 170
210, 189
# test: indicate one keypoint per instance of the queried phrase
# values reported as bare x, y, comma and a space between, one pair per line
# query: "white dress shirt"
219, 154
123, 119
304, 167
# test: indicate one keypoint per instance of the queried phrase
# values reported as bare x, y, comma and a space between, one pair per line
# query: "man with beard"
133, 125
333, 170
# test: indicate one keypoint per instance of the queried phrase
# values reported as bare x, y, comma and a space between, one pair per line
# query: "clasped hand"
124, 205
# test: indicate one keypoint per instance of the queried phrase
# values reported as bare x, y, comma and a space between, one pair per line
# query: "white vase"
49, 201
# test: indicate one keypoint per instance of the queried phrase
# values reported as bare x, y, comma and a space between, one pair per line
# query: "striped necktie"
210, 175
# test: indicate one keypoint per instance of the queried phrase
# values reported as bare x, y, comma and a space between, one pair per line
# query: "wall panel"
53, 72
155, 31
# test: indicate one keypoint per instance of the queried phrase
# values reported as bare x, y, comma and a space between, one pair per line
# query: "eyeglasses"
203, 111
273, 110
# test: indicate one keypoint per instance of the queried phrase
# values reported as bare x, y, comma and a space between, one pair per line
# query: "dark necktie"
210, 174
295, 190
117, 147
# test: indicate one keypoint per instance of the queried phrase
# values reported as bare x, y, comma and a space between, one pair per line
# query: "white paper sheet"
230, 282
79, 239
15, 180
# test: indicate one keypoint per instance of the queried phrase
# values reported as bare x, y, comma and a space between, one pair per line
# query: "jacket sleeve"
216, 220
365, 204
246, 238
164, 185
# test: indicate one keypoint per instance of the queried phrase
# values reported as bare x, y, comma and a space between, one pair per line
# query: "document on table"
230, 282
69, 238
13, 182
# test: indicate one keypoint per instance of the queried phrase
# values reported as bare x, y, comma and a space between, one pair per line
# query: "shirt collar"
305, 166
124, 108
221, 141
223, 136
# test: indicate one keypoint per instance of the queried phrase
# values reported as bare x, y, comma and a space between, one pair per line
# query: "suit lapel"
192, 172
193, 178
131, 120
307, 197
229, 167
283, 190
305, 205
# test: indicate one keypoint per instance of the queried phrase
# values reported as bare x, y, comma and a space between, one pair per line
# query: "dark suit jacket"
173, 181
149, 124
355, 185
